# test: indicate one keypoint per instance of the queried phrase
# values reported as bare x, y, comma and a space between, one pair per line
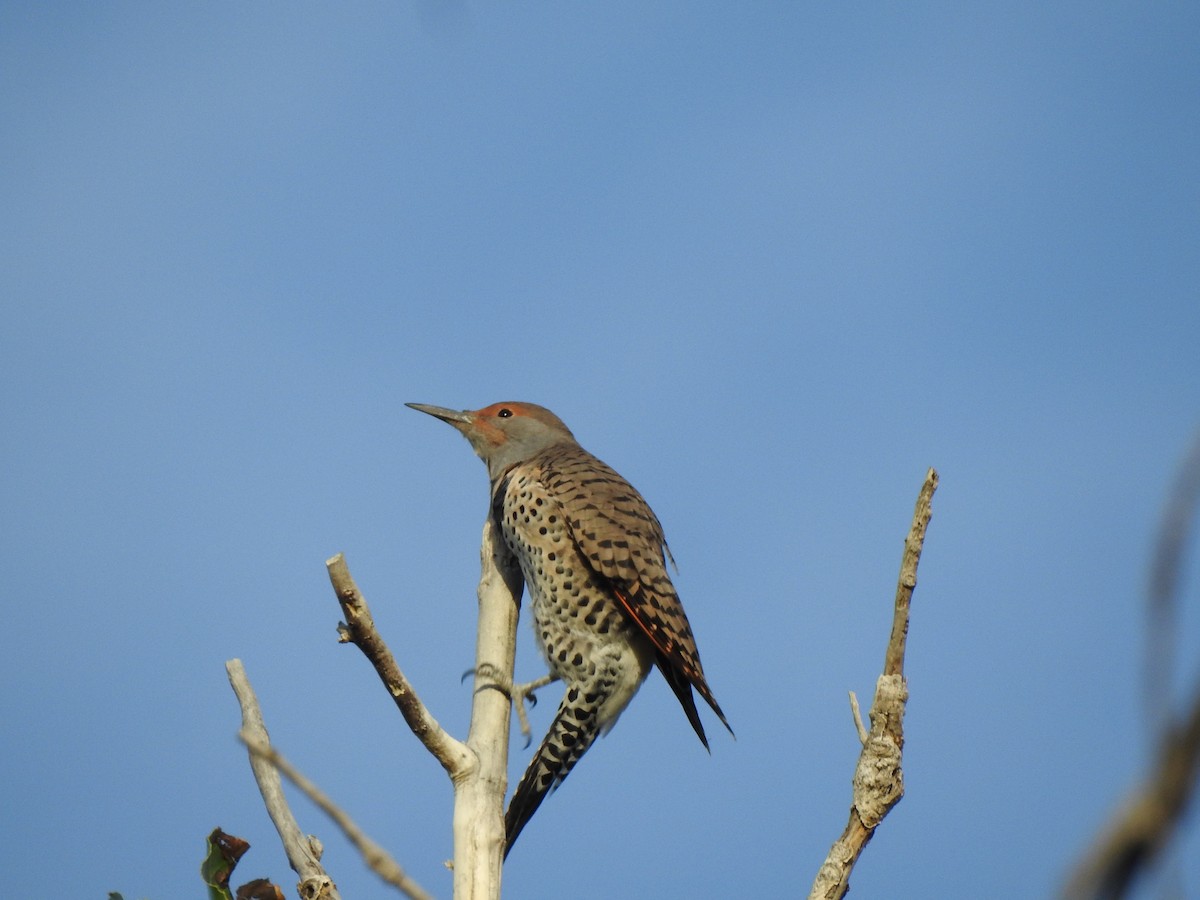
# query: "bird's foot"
522, 692
518, 694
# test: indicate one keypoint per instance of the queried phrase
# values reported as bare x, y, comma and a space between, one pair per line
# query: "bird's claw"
521, 693
518, 694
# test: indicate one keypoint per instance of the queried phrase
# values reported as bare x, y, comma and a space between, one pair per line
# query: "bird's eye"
504, 413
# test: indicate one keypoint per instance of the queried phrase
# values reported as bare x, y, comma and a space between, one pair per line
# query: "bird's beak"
453, 416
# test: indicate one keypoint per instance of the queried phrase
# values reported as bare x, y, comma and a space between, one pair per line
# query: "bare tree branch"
380, 861
1145, 821
879, 778
359, 629
479, 799
479, 767
303, 851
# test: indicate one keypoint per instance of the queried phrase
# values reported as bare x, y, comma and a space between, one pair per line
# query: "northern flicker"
593, 556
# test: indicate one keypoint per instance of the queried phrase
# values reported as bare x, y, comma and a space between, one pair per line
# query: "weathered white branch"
479, 793
303, 851
359, 629
380, 861
478, 768
878, 777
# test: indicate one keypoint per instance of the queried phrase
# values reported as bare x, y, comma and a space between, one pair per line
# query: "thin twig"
359, 629
878, 778
858, 720
303, 851
380, 861
893, 663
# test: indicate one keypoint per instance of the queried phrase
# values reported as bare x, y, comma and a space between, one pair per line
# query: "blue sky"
768, 260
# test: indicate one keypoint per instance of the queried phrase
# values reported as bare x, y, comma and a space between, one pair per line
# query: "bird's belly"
586, 638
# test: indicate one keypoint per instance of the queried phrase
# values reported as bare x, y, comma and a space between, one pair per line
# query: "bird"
594, 559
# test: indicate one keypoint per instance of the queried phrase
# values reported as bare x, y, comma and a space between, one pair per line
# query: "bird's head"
504, 434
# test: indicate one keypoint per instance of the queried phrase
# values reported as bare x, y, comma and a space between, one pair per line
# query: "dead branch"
479, 797
359, 629
479, 767
303, 851
1143, 824
380, 861
878, 778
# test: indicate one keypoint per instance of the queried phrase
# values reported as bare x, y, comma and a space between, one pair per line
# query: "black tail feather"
571, 733
682, 686
683, 690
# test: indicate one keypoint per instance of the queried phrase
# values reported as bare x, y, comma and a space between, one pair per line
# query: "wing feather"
622, 540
